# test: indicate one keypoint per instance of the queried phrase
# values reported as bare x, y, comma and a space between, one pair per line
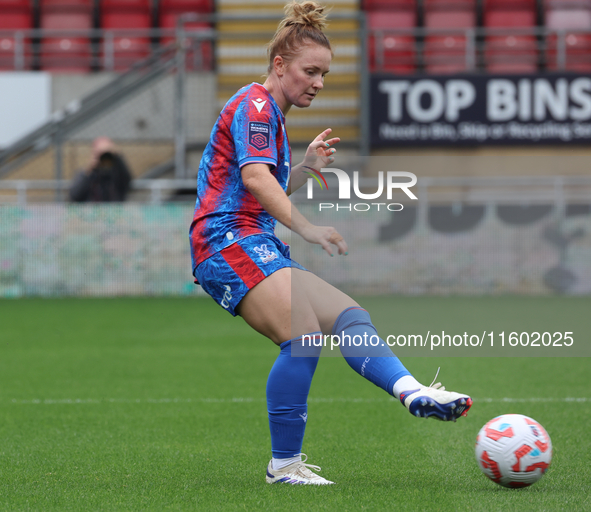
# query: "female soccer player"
244, 180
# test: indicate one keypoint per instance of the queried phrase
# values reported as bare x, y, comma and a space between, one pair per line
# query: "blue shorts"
228, 275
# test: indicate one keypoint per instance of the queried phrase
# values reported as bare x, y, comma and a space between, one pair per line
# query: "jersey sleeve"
254, 130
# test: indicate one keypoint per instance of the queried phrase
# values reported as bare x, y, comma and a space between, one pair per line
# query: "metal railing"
24, 47
98, 49
472, 190
155, 189
550, 46
465, 189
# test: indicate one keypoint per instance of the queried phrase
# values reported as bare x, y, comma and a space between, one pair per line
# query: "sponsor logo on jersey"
258, 135
265, 254
259, 103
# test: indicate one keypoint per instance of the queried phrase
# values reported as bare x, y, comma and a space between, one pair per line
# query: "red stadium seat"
511, 54
204, 6
169, 20
445, 54
66, 52
14, 20
125, 5
450, 19
567, 4
389, 51
577, 52
507, 5
510, 18
12, 5
391, 19
516, 53
397, 56
127, 48
65, 21
170, 10
200, 55
122, 20
449, 5
389, 5
67, 5
571, 18
15, 15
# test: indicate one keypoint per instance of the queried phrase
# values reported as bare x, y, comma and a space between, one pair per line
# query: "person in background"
107, 178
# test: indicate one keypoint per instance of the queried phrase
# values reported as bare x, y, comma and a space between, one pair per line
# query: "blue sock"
378, 364
287, 395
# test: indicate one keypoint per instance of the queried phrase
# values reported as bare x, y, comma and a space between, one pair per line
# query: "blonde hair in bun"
304, 23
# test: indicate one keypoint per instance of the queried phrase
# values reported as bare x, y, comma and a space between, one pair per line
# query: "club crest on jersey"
265, 254
259, 103
258, 135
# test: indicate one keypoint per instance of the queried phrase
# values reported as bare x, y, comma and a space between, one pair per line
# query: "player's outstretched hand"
325, 236
320, 152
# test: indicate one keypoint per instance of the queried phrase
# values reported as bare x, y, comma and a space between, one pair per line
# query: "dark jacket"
109, 180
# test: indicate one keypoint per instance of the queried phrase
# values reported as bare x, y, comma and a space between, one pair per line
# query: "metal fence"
150, 191
526, 190
498, 236
83, 50
474, 236
389, 48
448, 50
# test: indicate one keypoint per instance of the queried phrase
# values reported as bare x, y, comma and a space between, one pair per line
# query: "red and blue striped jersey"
250, 129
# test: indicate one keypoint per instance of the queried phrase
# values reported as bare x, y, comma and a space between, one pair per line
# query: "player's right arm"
259, 181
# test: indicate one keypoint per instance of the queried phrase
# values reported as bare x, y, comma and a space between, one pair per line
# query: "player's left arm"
319, 154
259, 181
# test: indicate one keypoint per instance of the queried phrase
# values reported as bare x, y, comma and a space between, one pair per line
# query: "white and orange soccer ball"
513, 450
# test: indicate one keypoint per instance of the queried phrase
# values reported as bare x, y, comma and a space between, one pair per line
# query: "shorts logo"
265, 254
258, 135
225, 303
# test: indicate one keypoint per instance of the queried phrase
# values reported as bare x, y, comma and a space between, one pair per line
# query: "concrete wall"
488, 161
149, 115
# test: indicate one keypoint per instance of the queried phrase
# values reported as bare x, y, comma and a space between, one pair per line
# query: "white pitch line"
77, 401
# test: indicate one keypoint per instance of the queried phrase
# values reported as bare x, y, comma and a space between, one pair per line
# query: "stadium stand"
448, 36
66, 52
14, 15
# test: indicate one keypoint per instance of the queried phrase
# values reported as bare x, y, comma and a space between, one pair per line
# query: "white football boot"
296, 473
435, 402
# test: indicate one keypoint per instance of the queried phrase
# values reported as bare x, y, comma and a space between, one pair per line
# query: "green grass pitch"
159, 404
